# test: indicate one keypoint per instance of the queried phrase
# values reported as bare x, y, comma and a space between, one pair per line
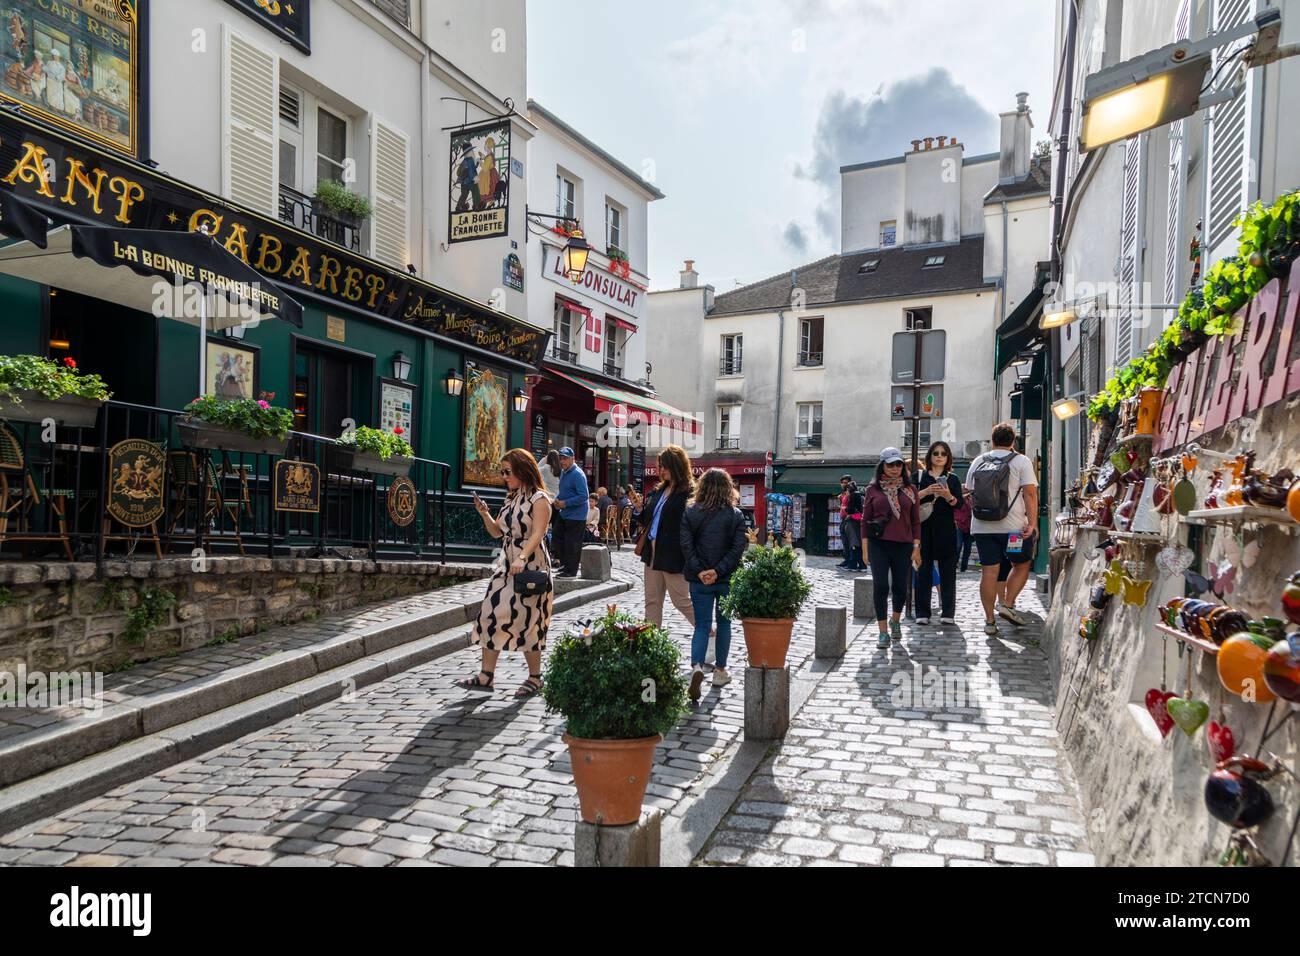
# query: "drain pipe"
780, 367
1002, 316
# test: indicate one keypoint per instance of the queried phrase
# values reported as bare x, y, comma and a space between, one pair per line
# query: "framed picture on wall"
233, 369
486, 431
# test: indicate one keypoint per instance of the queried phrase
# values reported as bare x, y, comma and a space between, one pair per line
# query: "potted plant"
33, 389
235, 424
619, 685
767, 591
337, 201
379, 452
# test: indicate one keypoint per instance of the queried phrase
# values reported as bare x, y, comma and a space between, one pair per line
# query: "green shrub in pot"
768, 585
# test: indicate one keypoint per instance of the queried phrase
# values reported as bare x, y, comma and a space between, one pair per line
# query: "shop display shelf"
1209, 647
1242, 513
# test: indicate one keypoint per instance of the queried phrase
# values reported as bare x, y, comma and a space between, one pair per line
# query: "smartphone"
1015, 543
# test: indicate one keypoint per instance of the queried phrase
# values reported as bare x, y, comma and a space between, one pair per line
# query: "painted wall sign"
600, 284
512, 272
74, 181
297, 486
480, 183
77, 64
1234, 376
402, 501
336, 328
288, 19
487, 426
137, 473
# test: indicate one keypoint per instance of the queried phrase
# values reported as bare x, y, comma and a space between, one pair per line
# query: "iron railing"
561, 354
304, 212
55, 492
810, 359
728, 443
613, 369
804, 442
729, 366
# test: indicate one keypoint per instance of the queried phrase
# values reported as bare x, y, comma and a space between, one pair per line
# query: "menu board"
538, 435
397, 409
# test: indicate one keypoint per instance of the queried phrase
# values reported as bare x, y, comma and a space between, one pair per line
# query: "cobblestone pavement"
413, 771
884, 767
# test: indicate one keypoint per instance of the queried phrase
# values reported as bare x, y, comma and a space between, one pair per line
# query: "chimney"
929, 142
690, 278
1016, 144
916, 145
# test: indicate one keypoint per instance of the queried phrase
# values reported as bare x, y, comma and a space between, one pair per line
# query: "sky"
742, 111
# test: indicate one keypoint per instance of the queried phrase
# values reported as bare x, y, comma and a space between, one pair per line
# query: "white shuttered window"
250, 93
1232, 183
1130, 237
390, 171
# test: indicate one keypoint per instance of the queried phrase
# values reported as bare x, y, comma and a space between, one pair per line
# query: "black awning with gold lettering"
22, 220
75, 182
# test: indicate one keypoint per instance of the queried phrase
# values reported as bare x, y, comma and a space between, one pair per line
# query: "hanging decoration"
1187, 713
1220, 740
1291, 598
1235, 795
1174, 559
1240, 663
1157, 701
1135, 592
1114, 578
1282, 668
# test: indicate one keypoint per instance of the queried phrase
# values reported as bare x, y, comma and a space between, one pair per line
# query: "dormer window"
871, 265
933, 262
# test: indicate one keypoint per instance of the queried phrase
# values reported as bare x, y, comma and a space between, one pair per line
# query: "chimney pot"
940, 139
690, 265
1022, 103
929, 142
916, 145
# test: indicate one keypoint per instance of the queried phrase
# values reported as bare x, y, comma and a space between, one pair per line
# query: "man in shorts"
1003, 572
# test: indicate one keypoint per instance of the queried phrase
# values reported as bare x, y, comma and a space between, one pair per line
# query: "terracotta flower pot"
1150, 401
611, 777
766, 641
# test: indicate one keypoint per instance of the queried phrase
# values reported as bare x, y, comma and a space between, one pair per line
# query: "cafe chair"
184, 467
613, 528
625, 523
20, 494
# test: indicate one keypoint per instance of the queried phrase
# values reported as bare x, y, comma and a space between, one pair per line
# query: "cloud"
856, 129
795, 237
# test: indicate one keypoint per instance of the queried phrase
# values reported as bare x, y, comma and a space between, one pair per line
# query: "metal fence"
59, 499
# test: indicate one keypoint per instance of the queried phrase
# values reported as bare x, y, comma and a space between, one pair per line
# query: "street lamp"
401, 367
1066, 408
521, 401
453, 382
1057, 315
1169, 84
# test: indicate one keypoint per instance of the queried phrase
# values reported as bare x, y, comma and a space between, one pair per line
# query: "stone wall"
58, 616
1144, 795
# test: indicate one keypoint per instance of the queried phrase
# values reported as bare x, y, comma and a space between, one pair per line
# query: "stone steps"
58, 766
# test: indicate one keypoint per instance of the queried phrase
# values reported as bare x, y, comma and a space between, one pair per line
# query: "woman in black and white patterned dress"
506, 620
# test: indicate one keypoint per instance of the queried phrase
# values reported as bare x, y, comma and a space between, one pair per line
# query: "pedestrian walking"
713, 541
964, 539
891, 523
661, 550
851, 524
938, 486
1004, 504
549, 469
572, 501
516, 611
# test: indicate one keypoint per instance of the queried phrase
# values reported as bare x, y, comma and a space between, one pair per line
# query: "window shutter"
390, 176
1230, 180
1130, 237
593, 334
1177, 178
250, 90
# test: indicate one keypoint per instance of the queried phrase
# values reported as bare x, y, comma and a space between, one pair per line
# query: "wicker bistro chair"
613, 527
625, 523
184, 467
20, 494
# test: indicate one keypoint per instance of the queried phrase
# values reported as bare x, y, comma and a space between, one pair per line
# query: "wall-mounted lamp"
401, 367
1056, 315
521, 401
1068, 407
576, 249
454, 383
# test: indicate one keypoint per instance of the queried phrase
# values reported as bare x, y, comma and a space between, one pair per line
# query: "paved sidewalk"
884, 767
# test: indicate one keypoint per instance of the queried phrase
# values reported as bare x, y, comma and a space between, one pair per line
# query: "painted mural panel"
487, 426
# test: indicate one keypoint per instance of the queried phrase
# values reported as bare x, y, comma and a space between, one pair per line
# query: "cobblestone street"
413, 771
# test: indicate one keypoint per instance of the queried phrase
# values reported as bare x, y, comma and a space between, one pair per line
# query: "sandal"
529, 687
473, 683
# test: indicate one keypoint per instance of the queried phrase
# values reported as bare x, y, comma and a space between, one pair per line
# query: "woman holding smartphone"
890, 506
939, 485
508, 620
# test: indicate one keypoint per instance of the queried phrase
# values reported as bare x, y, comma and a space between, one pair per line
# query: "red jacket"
907, 526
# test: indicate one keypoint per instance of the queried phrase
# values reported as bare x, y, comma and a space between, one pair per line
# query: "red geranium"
70, 362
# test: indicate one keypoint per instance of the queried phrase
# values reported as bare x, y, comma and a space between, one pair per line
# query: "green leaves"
373, 441
768, 584
618, 678
338, 198
258, 419
52, 379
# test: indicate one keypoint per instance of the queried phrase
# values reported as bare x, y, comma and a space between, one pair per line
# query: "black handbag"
874, 528
532, 582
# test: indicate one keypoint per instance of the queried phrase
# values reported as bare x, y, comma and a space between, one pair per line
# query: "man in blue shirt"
573, 502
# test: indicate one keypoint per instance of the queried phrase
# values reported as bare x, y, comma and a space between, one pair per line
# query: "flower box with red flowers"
34, 389
236, 424
379, 453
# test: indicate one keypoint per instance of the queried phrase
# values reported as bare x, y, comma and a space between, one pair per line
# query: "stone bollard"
636, 844
831, 632
767, 702
595, 563
864, 602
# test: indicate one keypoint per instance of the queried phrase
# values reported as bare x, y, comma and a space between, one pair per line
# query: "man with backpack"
1004, 509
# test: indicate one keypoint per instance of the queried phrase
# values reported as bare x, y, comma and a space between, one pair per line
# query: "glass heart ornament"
1175, 559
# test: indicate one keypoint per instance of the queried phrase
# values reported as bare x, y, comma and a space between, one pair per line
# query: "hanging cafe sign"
479, 207
288, 19
74, 182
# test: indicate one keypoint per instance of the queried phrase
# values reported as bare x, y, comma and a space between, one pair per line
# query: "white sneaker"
697, 678
947, 620
720, 677
922, 622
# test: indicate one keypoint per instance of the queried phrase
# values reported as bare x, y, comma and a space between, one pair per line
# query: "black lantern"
521, 401
401, 367
454, 383
575, 255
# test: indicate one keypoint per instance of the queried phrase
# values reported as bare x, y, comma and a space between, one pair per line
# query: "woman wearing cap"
890, 505
939, 485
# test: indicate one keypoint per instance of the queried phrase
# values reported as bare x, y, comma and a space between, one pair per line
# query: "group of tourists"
690, 536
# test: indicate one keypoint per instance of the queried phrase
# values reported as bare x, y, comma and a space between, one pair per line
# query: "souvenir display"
1099, 598
1221, 741
1135, 592
1114, 578
1157, 702
1293, 501
1240, 663
1268, 491
1291, 599
1188, 714
1212, 499
1174, 559
1090, 625
1282, 668
1145, 518
1184, 491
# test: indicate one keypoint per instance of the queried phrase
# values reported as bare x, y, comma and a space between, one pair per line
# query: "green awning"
1030, 391
1020, 330
820, 479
